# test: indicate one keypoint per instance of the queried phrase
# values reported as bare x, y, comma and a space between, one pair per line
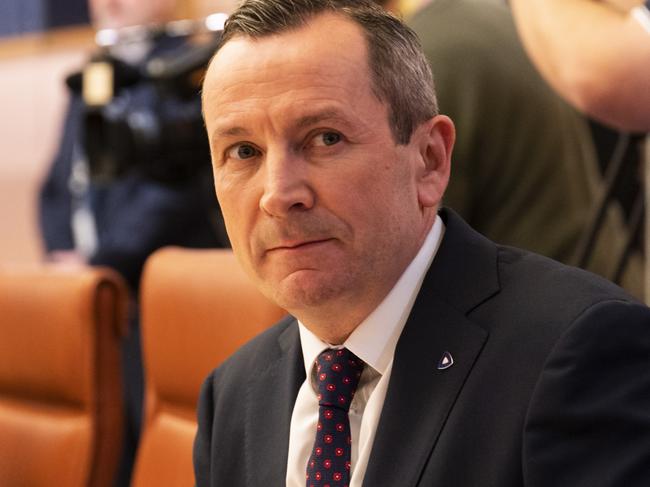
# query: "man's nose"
287, 186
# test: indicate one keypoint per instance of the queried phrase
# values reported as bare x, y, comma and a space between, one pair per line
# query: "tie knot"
337, 376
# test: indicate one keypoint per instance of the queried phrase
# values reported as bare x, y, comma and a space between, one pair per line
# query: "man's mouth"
299, 245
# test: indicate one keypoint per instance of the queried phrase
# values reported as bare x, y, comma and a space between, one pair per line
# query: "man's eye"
242, 151
327, 138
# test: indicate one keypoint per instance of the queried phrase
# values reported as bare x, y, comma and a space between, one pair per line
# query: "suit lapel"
420, 397
271, 396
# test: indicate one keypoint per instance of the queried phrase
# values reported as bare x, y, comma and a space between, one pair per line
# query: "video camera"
146, 116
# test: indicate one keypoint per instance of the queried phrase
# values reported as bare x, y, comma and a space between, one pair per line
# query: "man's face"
123, 13
323, 209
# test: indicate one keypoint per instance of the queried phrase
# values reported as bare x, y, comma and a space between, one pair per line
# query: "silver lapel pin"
446, 361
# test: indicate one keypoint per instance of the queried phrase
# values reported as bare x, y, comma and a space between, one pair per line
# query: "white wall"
32, 101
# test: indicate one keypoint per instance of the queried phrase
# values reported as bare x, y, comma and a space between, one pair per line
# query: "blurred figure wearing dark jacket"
159, 197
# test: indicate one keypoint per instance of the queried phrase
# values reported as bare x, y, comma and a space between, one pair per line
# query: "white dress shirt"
374, 342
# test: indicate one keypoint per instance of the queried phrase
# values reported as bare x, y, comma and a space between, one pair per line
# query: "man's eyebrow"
316, 118
302, 122
230, 132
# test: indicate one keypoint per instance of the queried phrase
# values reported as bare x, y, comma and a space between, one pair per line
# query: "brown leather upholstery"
60, 380
197, 308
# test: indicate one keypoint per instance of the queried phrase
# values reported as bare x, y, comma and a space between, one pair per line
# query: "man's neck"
336, 324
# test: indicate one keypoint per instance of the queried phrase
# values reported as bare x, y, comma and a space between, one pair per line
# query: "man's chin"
307, 289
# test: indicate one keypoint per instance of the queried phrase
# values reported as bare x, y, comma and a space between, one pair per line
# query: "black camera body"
145, 118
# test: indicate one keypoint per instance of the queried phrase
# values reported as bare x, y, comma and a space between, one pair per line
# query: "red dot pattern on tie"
337, 374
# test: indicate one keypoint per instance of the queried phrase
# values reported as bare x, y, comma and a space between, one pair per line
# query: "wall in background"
62, 13
32, 97
26, 16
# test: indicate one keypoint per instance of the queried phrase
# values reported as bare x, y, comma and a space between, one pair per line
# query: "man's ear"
435, 139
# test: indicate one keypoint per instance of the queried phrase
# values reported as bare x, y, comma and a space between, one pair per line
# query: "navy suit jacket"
550, 383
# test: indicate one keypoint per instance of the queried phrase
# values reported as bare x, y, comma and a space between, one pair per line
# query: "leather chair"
60, 378
197, 308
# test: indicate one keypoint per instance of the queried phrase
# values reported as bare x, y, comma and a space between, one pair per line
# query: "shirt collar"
375, 339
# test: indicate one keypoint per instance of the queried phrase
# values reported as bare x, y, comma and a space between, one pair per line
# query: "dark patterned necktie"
337, 375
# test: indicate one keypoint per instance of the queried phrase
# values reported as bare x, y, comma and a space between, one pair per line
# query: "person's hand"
66, 259
593, 53
624, 5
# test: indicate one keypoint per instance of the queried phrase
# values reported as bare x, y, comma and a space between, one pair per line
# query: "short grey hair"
400, 74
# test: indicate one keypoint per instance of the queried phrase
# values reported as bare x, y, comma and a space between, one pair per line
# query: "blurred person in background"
132, 173
595, 53
525, 165
118, 215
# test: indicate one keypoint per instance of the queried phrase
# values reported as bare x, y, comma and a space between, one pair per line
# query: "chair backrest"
197, 308
60, 378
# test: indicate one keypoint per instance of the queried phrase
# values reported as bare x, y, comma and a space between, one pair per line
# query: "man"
596, 55
418, 353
